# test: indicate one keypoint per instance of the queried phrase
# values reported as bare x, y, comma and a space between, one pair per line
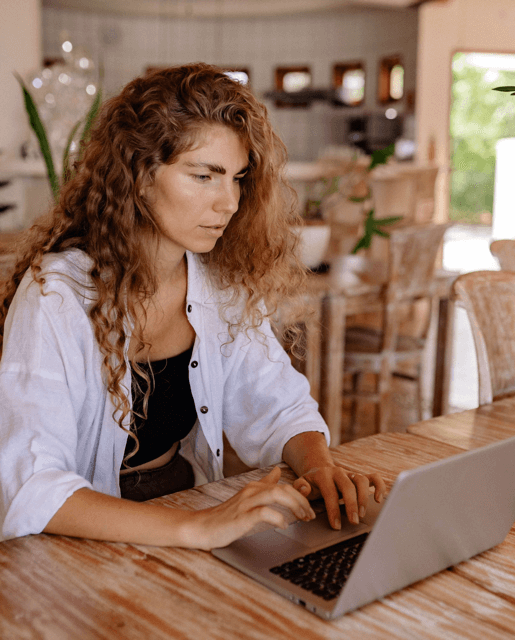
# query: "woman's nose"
228, 199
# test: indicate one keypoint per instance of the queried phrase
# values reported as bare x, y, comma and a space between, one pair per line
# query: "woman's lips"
214, 231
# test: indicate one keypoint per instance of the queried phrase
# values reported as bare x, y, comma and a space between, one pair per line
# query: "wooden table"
472, 428
338, 301
54, 587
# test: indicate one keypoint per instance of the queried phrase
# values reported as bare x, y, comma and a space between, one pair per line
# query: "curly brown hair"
103, 212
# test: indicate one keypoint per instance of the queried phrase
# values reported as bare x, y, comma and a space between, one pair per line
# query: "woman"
136, 324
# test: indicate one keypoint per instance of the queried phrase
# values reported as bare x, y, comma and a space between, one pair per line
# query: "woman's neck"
168, 260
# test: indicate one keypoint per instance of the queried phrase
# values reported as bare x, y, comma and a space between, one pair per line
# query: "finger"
361, 483
268, 515
245, 522
284, 495
349, 495
273, 477
380, 486
303, 486
295, 501
327, 487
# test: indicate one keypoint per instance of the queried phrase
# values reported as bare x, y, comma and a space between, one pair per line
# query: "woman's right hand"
219, 526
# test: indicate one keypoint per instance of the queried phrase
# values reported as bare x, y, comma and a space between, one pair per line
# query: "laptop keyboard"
323, 572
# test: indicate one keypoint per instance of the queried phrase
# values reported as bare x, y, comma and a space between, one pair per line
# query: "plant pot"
314, 242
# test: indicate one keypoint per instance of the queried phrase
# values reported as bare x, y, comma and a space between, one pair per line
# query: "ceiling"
223, 8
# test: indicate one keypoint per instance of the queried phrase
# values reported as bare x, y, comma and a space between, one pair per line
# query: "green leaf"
381, 233
362, 243
392, 220
66, 155
39, 130
90, 117
380, 156
507, 89
373, 227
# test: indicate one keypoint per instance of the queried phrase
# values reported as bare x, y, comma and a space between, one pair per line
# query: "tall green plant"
510, 90
39, 129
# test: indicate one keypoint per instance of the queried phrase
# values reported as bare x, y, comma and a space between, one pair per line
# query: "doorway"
479, 118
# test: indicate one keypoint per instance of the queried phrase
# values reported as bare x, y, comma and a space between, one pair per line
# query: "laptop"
434, 517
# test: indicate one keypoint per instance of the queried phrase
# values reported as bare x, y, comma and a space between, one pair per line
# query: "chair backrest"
412, 260
407, 191
402, 190
489, 300
413, 252
504, 251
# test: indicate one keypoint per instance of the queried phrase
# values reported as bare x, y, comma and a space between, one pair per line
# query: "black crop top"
171, 411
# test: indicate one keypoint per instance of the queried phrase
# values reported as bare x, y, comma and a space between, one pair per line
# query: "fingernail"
312, 514
337, 523
354, 518
304, 489
361, 512
380, 497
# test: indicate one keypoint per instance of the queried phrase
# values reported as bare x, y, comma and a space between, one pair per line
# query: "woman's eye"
202, 178
239, 178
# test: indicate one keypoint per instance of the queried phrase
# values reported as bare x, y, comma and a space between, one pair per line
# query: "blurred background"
340, 78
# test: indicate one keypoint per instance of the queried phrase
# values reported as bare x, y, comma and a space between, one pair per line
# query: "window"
391, 80
292, 80
349, 83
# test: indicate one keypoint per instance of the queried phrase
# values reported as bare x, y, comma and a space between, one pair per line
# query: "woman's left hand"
331, 481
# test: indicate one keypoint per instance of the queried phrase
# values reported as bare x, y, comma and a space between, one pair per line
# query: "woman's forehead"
206, 132
216, 141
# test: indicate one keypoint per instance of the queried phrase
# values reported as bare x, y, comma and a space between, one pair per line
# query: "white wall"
445, 28
20, 50
126, 45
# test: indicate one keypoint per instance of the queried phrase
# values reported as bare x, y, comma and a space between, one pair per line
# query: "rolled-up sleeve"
42, 392
266, 400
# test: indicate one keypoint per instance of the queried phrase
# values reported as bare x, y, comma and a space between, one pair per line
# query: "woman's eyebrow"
215, 168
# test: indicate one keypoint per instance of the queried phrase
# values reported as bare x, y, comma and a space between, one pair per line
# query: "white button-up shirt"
57, 431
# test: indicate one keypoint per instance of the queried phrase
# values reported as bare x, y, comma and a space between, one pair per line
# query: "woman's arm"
89, 514
309, 456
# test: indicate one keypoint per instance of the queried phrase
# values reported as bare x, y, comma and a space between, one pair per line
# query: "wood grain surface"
54, 587
472, 428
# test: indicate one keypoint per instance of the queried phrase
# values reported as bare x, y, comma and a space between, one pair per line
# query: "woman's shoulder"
67, 273
73, 263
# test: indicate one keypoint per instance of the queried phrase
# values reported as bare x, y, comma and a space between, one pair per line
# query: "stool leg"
354, 404
420, 399
384, 391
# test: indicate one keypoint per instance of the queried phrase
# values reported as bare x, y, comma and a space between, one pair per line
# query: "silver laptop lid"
435, 516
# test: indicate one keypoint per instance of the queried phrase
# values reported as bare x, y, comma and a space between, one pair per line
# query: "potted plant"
38, 127
339, 216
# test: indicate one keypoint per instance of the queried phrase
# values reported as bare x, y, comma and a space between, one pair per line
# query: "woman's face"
194, 198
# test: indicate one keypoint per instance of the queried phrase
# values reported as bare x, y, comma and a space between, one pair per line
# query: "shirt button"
218, 453
194, 364
190, 308
204, 409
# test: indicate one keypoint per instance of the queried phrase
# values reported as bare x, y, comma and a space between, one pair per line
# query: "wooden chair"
385, 352
504, 251
489, 300
406, 190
